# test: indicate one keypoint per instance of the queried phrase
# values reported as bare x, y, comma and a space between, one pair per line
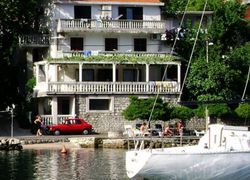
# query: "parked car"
70, 126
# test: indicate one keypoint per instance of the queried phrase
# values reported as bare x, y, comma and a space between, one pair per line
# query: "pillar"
179, 76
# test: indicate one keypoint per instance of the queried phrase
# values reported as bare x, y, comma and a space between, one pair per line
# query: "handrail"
103, 24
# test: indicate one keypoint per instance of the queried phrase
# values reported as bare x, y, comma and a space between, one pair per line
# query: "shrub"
243, 111
182, 112
141, 108
214, 110
219, 110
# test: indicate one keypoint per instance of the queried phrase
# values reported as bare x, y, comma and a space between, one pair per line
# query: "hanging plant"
119, 58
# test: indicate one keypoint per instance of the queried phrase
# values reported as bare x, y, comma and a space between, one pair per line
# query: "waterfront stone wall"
104, 122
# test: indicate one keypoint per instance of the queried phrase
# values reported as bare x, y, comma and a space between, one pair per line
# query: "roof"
111, 1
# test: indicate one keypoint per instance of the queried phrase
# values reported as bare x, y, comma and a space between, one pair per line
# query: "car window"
67, 122
78, 121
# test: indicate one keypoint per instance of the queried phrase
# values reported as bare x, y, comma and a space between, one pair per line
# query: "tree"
182, 112
141, 108
243, 111
228, 31
16, 18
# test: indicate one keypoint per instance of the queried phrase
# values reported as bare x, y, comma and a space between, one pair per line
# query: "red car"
70, 126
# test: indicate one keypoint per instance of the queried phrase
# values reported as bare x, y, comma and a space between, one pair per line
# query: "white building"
101, 52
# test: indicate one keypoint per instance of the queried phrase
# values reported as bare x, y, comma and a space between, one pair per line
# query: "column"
37, 74
179, 76
80, 72
54, 110
47, 76
147, 77
114, 77
147, 72
114, 72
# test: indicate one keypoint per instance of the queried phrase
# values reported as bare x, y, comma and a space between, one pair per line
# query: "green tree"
16, 18
243, 111
141, 108
182, 112
216, 79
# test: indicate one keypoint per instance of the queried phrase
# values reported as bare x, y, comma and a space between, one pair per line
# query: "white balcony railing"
34, 40
68, 25
114, 87
85, 53
48, 119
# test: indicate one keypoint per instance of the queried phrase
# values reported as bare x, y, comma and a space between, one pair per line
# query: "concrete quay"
104, 141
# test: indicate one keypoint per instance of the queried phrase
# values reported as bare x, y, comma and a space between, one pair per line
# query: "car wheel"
85, 132
57, 132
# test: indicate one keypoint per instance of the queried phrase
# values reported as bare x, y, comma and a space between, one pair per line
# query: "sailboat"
222, 153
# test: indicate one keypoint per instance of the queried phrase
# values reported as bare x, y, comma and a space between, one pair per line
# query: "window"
82, 12
111, 44
63, 105
99, 104
131, 75
132, 13
88, 75
104, 75
78, 121
102, 104
76, 44
140, 44
46, 104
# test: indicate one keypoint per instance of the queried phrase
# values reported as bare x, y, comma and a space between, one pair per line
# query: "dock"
103, 141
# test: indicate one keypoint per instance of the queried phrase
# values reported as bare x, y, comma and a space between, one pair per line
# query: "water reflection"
51, 164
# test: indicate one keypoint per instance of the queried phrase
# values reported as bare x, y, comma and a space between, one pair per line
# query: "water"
86, 164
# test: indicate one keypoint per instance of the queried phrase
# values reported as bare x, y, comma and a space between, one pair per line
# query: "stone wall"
104, 122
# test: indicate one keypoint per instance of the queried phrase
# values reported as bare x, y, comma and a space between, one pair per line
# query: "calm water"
51, 164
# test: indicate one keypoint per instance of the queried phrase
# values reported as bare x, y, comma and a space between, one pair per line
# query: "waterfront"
52, 164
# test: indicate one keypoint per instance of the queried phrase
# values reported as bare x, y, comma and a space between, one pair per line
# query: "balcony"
154, 87
110, 53
122, 26
34, 41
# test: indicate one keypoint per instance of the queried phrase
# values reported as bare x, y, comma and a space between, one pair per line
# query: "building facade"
98, 54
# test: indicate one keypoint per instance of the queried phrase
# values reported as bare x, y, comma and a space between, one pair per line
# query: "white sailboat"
223, 152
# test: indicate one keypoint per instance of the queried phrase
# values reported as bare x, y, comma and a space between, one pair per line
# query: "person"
143, 128
180, 128
38, 122
168, 131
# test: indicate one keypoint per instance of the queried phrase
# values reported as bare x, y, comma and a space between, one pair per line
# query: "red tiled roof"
123, 1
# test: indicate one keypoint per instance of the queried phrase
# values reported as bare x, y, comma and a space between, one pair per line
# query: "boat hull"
179, 163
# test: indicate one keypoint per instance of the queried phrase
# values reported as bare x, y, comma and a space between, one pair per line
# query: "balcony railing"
48, 119
147, 26
111, 53
114, 87
34, 40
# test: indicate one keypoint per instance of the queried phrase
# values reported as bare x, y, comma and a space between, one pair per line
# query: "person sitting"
180, 128
168, 131
143, 128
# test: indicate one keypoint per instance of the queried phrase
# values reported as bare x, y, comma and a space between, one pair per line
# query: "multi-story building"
101, 52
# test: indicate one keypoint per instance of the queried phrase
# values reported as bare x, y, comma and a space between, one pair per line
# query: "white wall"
66, 11
96, 42
151, 13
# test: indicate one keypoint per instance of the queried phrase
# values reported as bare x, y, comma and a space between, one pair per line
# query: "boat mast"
171, 53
